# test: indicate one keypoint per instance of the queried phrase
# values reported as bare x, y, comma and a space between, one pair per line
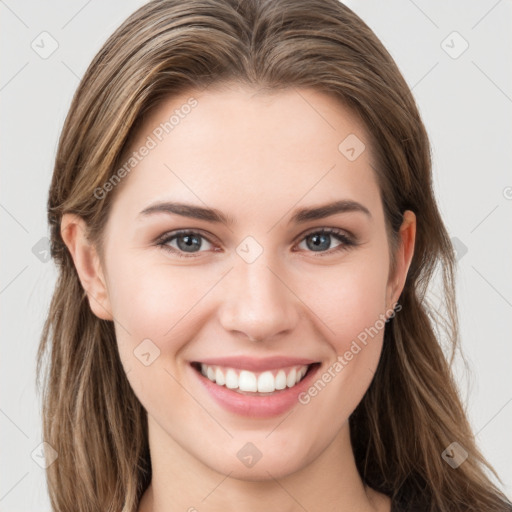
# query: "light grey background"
466, 104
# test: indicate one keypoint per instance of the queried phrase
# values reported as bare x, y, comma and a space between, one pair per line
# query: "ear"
87, 264
403, 258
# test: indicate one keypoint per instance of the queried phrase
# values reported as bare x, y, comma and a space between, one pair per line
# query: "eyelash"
346, 241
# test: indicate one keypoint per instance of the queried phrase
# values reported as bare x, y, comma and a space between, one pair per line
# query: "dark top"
424, 506
400, 507
411, 500
397, 507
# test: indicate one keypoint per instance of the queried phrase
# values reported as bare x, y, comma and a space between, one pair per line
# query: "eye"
326, 240
184, 242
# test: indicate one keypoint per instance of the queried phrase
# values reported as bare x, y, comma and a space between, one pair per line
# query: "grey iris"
189, 243
318, 242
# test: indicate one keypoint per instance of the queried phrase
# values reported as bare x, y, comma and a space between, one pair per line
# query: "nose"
258, 302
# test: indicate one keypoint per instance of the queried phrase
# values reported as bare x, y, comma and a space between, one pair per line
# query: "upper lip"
256, 364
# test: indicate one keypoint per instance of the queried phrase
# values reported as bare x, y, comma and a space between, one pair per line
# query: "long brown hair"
412, 410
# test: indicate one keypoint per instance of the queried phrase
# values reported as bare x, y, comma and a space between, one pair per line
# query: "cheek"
159, 302
348, 300
155, 307
351, 307
153, 297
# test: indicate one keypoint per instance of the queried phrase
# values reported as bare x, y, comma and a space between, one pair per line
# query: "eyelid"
330, 230
163, 241
347, 240
173, 233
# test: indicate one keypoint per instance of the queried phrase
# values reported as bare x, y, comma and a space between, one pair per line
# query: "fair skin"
257, 158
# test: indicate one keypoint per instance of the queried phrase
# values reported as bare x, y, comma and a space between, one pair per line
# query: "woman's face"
284, 262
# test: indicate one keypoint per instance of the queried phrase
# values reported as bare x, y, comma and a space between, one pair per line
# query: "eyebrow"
188, 210
320, 212
213, 215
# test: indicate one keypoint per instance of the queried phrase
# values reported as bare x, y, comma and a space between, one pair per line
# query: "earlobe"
87, 264
404, 254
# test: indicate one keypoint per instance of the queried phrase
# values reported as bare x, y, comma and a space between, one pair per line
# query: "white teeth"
292, 378
281, 379
266, 383
219, 377
245, 380
231, 379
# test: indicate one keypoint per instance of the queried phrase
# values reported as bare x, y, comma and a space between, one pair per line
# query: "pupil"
189, 243
319, 242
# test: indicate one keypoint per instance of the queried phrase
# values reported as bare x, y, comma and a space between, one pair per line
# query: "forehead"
240, 147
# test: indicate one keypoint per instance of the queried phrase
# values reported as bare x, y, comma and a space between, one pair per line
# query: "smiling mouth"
254, 383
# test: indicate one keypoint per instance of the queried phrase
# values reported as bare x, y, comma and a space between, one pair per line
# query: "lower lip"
262, 406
